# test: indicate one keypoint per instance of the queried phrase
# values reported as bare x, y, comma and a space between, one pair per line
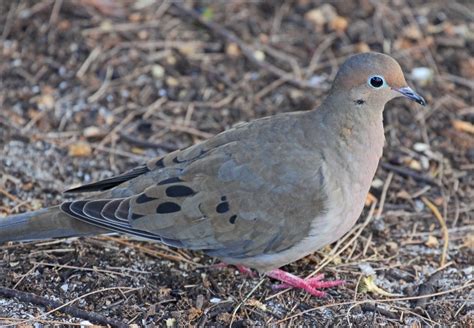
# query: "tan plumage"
262, 194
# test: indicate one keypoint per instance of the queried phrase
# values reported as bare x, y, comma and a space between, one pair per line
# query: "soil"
91, 88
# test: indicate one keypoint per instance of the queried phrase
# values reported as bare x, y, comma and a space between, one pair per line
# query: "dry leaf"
367, 284
232, 50
321, 15
415, 165
432, 242
469, 242
46, 101
463, 126
194, 313
80, 149
338, 24
257, 304
137, 150
370, 199
412, 32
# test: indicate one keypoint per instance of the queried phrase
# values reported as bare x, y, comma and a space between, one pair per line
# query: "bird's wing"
248, 191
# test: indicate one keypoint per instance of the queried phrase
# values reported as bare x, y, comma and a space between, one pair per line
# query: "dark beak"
410, 94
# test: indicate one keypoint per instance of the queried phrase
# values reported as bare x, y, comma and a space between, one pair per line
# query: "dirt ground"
90, 88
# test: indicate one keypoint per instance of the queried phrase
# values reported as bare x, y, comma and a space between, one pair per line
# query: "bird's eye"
376, 81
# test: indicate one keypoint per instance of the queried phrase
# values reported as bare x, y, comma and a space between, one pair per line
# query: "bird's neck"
356, 132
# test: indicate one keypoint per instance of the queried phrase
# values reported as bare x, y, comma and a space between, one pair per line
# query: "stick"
403, 171
246, 50
70, 310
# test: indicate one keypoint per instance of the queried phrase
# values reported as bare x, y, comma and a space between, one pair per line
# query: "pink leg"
309, 285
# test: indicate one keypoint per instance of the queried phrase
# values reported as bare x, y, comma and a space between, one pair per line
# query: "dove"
259, 195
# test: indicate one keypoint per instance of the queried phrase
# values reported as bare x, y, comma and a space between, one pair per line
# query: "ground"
90, 88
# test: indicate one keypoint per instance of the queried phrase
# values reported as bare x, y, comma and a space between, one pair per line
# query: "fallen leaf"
367, 284
338, 24
79, 149
370, 199
257, 304
432, 242
463, 126
232, 50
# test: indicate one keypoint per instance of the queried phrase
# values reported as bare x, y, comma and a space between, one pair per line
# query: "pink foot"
242, 269
309, 285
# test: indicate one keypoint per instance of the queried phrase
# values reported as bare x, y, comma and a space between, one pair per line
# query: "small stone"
366, 269
321, 15
143, 35
377, 183
158, 72
422, 75
421, 147
92, 132
392, 247
171, 322
172, 82
259, 55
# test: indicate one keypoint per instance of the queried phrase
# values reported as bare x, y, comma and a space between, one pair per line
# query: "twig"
325, 306
55, 12
103, 88
147, 144
245, 300
383, 195
444, 228
60, 266
153, 252
246, 49
57, 306
403, 171
85, 66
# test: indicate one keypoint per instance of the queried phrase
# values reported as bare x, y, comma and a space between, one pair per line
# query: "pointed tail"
44, 224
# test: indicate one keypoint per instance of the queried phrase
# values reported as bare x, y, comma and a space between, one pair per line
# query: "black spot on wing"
159, 163
223, 198
143, 198
179, 191
232, 219
170, 180
136, 216
222, 207
177, 161
168, 207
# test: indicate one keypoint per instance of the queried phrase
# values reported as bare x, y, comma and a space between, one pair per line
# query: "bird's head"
371, 80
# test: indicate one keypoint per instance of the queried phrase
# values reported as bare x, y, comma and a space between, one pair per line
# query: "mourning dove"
260, 195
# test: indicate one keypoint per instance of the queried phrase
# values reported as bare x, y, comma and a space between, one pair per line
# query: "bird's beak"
410, 94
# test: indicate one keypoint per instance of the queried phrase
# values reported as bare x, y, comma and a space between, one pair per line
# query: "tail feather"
44, 224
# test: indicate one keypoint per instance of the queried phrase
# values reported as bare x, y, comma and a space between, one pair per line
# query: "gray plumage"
262, 194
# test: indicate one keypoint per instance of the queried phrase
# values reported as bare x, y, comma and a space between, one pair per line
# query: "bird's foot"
310, 285
242, 269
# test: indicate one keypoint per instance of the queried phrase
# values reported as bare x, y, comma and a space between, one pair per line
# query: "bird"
260, 195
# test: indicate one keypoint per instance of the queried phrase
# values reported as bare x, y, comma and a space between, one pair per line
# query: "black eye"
376, 81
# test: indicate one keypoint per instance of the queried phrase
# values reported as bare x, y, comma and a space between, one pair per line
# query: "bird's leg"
309, 285
242, 269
